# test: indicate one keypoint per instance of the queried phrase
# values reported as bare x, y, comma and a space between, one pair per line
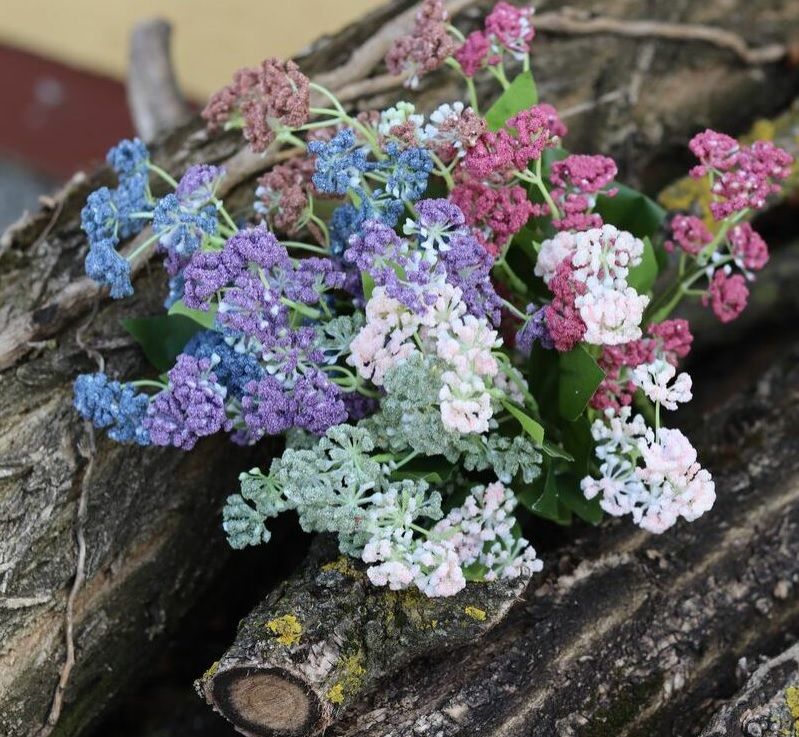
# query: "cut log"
769, 702
316, 645
147, 520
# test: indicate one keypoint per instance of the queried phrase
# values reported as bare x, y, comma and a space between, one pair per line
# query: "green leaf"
434, 470
206, 319
571, 496
521, 95
579, 378
541, 497
632, 211
543, 374
642, 277
368, 285
555, 451
550, 156
534, 429
162, 338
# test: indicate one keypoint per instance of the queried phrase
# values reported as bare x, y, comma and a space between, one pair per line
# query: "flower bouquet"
446, 317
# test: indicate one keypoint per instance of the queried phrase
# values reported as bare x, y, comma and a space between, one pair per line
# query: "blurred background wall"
63, 65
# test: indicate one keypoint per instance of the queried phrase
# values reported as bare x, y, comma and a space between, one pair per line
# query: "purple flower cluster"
314, 404
191, 407
534, 329
208, 272
387, 258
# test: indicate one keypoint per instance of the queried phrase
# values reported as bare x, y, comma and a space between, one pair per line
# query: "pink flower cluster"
669, 340
577, 180
452, 130
742, 177
495, 214
689, 233
463, 342
425, 48
523, 139
586, 272
727, 295
273, 96
495, 207
478, 532
282, 194
507, 28
653, 476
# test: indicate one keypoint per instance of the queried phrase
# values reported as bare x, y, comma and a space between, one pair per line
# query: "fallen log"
146, 517
316, 644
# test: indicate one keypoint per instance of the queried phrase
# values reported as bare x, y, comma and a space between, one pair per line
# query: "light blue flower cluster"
343, 167
111, 215
119, 408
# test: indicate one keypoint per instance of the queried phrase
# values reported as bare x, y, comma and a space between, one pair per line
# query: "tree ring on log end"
268, 702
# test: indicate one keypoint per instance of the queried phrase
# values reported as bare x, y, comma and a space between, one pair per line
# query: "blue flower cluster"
341, 167
114, 214
112, 406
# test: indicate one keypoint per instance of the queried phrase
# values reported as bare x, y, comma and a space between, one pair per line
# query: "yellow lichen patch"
690, 195
792, 699
350, 671
475, 613
335, 694
287, 629
211, 672
343, 566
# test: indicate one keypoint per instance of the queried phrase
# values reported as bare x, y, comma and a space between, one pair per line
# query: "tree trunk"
138, 528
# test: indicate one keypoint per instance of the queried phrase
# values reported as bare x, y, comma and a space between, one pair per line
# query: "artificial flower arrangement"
445, 317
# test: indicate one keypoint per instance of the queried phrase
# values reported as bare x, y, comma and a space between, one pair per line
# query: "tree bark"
320, 642
768, 704
148, 519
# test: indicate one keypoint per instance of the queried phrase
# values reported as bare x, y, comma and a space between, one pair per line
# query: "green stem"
147, 382
152, 239
512, 279
442, 170
514, 310
226, 216
163, 174
304, 247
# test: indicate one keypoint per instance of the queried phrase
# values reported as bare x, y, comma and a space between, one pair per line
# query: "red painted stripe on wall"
56, 118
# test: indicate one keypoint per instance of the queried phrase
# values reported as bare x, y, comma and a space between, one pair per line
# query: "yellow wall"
211, 38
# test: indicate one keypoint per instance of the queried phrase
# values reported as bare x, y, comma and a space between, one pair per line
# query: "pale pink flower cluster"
478, 532
655, 381
653, 476
464, 342
600, 259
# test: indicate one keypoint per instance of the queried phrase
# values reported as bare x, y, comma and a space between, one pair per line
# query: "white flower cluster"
480, 533
392, 333
401, 113
599, 261
654, 378
654, 476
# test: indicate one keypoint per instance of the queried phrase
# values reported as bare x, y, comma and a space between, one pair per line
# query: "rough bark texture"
627, 633
152, 514
768, 704
320, 642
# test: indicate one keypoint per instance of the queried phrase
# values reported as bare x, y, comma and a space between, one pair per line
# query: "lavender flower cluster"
436, 314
